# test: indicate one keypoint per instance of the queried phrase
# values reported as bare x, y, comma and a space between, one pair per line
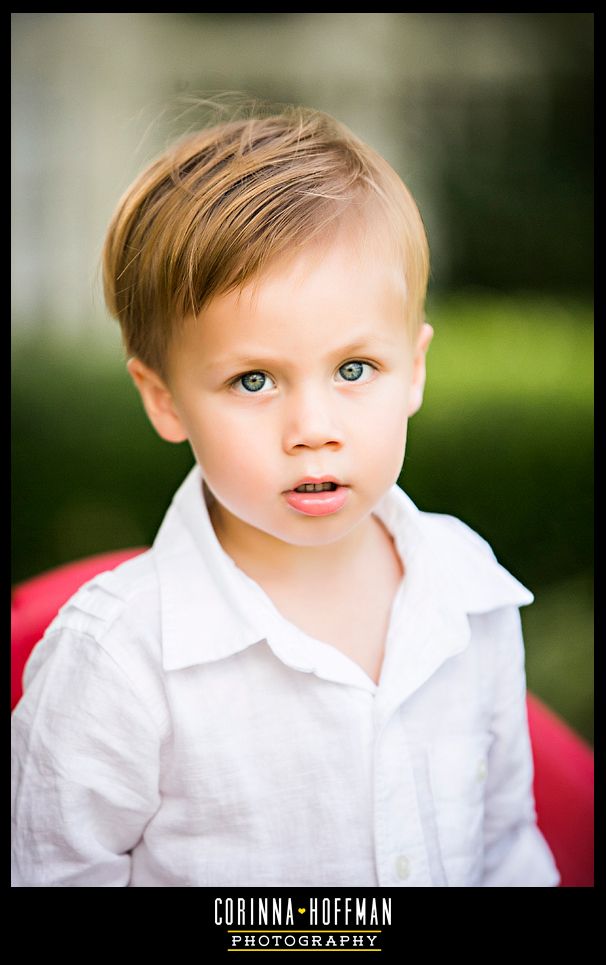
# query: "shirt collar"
451, 573
211, 609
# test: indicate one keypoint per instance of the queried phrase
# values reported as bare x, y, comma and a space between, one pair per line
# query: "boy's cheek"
225, 449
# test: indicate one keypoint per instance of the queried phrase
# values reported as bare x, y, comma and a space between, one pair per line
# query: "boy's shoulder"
128, 594
105, 636
471, 564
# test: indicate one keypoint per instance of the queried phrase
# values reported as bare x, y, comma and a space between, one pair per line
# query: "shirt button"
481, 771
402, 867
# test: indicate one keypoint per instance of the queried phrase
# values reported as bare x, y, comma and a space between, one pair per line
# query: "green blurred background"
487, 117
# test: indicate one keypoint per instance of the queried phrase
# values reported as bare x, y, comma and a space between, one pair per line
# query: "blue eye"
353, 369
252, 381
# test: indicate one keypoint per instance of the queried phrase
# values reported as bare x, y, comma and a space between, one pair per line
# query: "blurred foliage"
505, 436
504, 441
517, 190
558, 631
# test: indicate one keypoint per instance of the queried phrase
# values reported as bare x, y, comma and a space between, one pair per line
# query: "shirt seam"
123, 672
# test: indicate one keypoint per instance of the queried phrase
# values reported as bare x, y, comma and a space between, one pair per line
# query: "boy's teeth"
314, 487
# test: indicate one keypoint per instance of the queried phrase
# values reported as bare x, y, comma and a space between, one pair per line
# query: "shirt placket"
401, 854
421, 636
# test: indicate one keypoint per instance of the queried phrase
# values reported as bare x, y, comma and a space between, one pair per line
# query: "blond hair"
216, 207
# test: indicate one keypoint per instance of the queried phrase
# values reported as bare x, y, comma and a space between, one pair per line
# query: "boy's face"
312, 403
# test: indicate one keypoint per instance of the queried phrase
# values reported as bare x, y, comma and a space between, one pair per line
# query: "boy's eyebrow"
365, 342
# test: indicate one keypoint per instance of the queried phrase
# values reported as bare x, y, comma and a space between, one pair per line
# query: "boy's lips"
322, 503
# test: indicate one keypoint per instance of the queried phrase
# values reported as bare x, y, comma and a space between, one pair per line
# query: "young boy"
306, 681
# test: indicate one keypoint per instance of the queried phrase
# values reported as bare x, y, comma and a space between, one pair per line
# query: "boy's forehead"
340, 302
330, 273
242, 354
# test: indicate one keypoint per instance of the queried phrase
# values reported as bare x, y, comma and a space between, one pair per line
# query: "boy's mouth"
317, 485
317, 499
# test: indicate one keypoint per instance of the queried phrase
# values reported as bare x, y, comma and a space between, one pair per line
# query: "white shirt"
177, 730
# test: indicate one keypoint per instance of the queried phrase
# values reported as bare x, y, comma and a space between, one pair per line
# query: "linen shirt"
177, 730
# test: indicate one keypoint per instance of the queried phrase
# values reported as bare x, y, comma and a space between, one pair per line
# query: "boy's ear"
417, 383
157, 401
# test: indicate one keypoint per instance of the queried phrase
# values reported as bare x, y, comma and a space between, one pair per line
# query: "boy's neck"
265, 558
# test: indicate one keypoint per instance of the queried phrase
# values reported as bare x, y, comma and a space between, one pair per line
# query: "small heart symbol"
301, 910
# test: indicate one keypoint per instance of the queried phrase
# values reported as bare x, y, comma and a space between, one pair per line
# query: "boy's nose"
311, 420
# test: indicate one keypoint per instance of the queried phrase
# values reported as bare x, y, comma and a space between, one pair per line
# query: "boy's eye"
254, 382
352, 370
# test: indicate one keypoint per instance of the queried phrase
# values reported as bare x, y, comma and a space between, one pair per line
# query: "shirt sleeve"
516, 853
85, 766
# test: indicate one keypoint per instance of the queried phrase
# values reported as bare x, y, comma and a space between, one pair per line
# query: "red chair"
563, 761
563, 793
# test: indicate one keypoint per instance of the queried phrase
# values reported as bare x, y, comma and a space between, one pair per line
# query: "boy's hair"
221, 203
